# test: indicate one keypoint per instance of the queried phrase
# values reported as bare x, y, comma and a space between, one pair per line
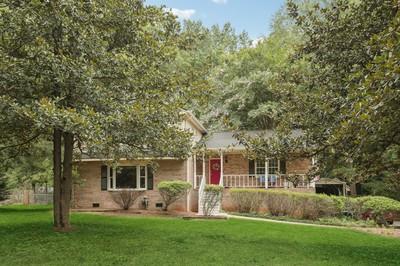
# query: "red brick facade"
89, 191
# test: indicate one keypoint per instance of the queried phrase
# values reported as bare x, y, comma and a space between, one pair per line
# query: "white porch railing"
258, 181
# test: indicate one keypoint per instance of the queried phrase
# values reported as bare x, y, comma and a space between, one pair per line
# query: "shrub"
299, 205
126, 198
248, 200
171, 191
315, 206
377, 207
212, 196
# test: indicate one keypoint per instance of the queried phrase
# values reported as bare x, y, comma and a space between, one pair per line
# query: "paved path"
392, 232
283, 222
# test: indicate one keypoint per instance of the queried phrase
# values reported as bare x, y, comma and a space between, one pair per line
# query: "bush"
212, 196
248, 200
299, 205
314, 206
171, 191
377, 207
126, 198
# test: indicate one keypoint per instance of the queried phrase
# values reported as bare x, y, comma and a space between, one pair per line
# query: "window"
260, 167
274, 167
143, 174
128, 177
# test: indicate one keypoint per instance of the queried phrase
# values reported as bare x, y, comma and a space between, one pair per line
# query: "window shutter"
111, 177
103, 177
251, 167
282, 165
150, 178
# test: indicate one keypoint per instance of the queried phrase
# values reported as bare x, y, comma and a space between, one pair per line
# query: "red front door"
215, 171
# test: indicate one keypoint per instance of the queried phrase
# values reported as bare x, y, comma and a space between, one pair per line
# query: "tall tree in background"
246, 83
202, 52
346, 98
33, 168
94, 74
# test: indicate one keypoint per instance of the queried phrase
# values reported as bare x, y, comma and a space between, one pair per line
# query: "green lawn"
27, 238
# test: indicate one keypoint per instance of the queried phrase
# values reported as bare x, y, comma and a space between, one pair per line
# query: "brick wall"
89, 191
238, 164
298, 166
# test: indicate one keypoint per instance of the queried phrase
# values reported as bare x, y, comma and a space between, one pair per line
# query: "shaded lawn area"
27, 238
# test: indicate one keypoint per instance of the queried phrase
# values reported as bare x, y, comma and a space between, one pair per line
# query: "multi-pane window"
129, 177
274, 167
260, 167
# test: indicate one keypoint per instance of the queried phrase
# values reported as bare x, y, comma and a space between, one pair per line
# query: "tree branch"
20, 144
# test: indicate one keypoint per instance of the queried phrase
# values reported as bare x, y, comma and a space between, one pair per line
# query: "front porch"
258, 181
234, 170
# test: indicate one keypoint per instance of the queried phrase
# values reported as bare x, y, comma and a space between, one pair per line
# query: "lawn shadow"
26, 208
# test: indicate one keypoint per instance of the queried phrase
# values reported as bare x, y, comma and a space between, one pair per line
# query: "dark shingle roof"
226, 139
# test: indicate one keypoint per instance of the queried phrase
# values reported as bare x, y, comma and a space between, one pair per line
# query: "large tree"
246, 81
341, 89
94, 75
202, 53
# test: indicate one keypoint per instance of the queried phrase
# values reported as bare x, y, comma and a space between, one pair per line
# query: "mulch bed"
133, 212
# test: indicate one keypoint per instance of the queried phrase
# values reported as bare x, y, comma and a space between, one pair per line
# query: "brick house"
223, 163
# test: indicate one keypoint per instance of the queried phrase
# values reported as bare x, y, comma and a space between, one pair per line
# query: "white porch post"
204, 168
188, 161
221, 178
194, 171
266, 173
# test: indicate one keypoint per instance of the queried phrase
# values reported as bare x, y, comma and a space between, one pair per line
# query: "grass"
349, 222
27, 238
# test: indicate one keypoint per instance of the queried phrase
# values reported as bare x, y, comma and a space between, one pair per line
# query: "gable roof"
226, 139
191, 118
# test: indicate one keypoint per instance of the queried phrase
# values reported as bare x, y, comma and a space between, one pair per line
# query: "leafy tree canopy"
341, 89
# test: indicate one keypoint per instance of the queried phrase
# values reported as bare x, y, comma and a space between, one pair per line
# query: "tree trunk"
66, 187
62, 179
57, 178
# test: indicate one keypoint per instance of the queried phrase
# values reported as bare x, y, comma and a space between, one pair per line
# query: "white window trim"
266, 166
259, 167
114, 178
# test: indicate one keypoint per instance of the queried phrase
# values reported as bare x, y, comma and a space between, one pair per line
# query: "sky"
252, 16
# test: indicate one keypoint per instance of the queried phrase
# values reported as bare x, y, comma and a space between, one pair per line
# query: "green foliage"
209, 188
171, 191
340, 88
3, 189
378, 206
34, 167
98, 70
248, 200
201, 53
246, 84
313, 206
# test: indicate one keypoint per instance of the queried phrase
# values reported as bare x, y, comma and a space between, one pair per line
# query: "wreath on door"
215, 166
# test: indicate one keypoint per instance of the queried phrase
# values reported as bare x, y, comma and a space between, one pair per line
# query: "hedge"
312, 206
